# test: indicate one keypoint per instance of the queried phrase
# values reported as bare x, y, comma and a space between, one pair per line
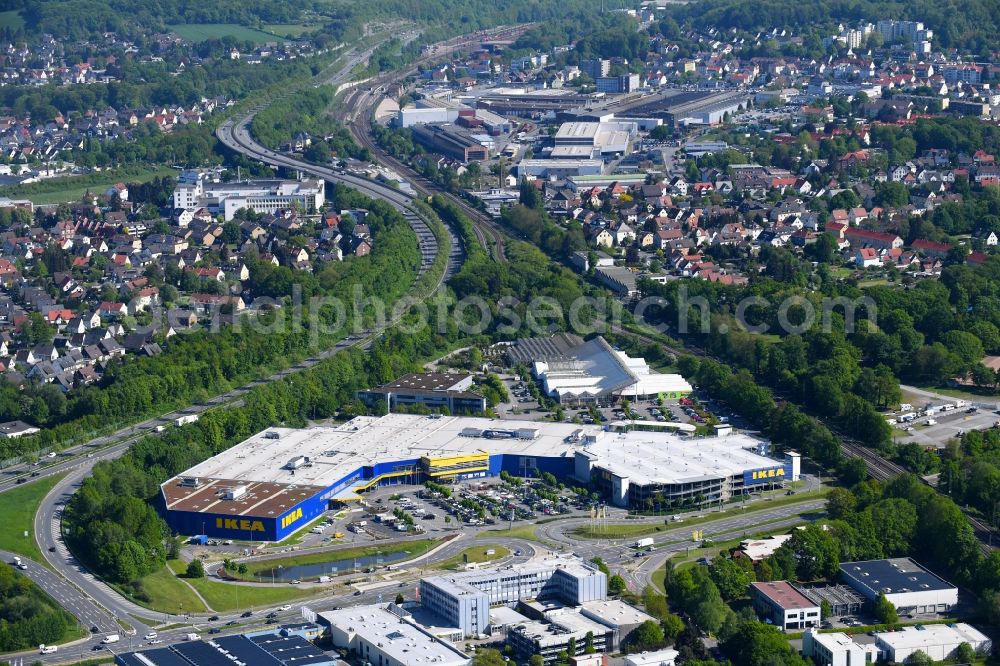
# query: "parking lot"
936, 429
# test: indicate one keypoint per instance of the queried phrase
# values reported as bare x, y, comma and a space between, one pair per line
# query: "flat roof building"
465, 599
665, 657
604, 137
263, 649
784, 606
434, 390
270, 485
378, 636
910, 587
937, 641
551, 637
760, 549
197, 189
450, 141
558, 168
837, 649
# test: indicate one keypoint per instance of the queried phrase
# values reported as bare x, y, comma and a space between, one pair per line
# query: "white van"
47, 649
111, 638
192, 637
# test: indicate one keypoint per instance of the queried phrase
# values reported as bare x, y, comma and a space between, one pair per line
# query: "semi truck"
643, 543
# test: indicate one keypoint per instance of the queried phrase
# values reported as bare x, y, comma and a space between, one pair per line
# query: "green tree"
616, 584
964, 654
919, 658
647, 636
731, 579
840, 502
399, 598
195, 569
588, 643
884, 611
488, 657
536, 660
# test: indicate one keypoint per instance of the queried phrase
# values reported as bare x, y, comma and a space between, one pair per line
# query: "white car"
155, 641
150, 636
286, 607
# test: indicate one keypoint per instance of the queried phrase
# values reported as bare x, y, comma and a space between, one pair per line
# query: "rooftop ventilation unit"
234, 493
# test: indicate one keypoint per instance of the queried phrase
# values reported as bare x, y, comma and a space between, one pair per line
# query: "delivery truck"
643, 543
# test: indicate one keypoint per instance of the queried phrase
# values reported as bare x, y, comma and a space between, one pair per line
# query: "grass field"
415, 548
473, 555
19, 507
12, 20
72, 188
526, 532
169, 594
200, 32
223, 597
290, 30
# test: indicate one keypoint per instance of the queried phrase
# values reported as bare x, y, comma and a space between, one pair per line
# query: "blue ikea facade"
252, 528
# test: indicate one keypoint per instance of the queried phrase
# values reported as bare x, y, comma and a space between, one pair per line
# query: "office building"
197, 189
596, 68
837, 649
625, 83
910, 587
784, 606
435, 391
552, 637
464, 599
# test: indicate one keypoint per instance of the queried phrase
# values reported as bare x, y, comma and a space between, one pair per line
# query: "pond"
331, 568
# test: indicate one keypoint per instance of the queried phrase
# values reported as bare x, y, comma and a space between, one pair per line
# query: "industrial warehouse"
275, 482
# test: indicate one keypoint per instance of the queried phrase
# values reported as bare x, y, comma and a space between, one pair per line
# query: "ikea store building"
274, 483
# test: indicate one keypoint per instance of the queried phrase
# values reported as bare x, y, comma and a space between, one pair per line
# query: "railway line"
358, 119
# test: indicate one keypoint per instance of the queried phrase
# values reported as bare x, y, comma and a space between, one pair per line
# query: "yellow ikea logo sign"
768, 473
291, 518
244, 525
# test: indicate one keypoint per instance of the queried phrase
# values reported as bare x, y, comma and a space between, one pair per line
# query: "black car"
21, 480
34, 474
52, 549
358, 593
94, 629
270, 615
97, 647
230, 623
271, 620
247, 614
214, 618
215, 630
